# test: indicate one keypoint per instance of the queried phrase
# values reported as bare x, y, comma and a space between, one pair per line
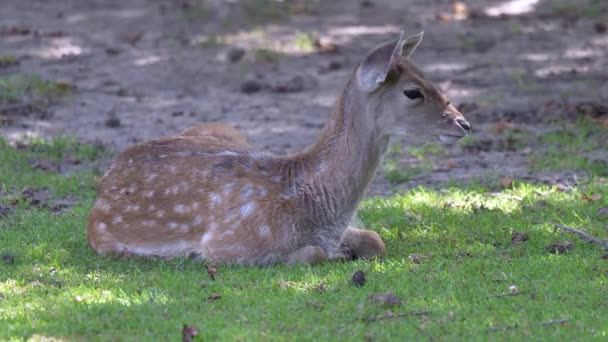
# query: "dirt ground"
140, 69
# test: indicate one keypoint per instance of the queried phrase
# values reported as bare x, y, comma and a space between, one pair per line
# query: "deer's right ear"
372, 72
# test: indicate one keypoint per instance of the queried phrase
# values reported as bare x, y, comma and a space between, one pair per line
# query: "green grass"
20, 87
8, 61
57, 287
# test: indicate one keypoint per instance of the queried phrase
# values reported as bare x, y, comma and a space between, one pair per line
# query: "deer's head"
401, 100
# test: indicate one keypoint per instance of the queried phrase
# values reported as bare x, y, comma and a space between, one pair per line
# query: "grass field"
451, 258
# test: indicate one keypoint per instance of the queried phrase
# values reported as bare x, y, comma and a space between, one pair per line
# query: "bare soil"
140, 69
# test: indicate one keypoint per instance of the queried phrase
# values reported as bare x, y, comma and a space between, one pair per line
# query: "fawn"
206, 192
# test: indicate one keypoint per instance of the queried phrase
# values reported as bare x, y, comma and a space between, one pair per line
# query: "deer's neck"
342, 161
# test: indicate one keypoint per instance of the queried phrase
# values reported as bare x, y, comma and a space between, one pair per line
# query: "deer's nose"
464, 125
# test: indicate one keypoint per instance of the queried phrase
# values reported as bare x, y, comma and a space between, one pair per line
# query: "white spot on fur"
102, 227
247, 191
181, 209
151, 177
130, 160
185, 186
215, 199
173, 225
228, 189
132, 188
248, 208
206, 237
103, 205
226, 154
264, 231
198, 220
162, 156
116, 219
132, 208
149, 193
172, 190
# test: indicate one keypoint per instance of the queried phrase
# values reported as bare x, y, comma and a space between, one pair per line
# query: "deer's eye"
413, 94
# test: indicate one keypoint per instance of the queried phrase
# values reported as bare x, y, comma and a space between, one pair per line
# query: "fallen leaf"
560, 247
251, 86
320, 287
62, 204
415, 258
450, 164
15, 31
325, 45
592, 198
359, 278
36, 196
513, 289
44, 165
188, 332
5, 210
462, 254
131, 37
9, 259
211, 271
501, 126
388, 299
214, 297
518, 237
125, 254
506, 182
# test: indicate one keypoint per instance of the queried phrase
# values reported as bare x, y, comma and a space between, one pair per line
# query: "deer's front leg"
307, 255
359, 243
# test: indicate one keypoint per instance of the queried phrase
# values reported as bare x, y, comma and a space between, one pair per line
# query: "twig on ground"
391, 315
583, 235
556, 321
508, 294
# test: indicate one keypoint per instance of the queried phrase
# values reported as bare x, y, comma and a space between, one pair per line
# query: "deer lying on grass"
206, 192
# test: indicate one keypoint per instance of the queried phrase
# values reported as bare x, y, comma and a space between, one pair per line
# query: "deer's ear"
372, 72
410, 44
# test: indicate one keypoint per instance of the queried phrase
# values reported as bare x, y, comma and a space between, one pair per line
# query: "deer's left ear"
410, 44
372, 72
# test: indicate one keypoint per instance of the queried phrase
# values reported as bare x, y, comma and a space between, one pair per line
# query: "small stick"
508, 294
583, 235
556, 321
